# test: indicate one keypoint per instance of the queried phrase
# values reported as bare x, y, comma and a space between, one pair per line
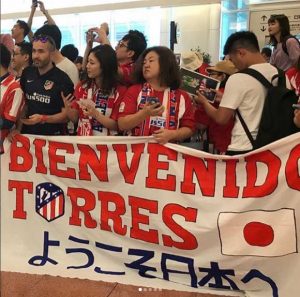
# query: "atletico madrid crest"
50, 201
48, 84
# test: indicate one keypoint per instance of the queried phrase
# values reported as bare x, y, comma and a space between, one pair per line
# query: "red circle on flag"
258, 234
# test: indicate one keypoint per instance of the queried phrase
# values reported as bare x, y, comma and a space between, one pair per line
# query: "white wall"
199, 25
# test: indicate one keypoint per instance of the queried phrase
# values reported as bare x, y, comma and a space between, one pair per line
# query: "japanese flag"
258, 233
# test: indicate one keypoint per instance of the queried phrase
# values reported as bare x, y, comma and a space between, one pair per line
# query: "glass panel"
234, 4
24, 5
234, 17
74, 26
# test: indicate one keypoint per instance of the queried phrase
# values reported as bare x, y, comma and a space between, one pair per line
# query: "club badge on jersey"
48, 85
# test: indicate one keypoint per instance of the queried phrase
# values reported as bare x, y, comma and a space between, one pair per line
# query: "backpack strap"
247, 131
257, 75
281, 78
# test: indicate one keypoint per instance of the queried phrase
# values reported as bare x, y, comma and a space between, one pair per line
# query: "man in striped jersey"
11, 99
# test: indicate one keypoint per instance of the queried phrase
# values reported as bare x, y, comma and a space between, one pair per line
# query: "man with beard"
43, 84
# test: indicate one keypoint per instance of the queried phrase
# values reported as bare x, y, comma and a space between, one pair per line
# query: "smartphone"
153, 100
35, 3
296, 106
92, 34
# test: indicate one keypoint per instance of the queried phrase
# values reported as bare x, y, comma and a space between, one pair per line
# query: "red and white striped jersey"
11, 101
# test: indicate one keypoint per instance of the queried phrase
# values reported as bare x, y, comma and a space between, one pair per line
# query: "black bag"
284, 47
277, 115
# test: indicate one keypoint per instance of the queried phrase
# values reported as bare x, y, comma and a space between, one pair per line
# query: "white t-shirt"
69, 67
247, 94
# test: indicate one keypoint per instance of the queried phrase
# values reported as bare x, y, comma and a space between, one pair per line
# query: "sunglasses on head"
44, 39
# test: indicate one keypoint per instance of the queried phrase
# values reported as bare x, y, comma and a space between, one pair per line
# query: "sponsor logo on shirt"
122, 107
159, 122
38, 97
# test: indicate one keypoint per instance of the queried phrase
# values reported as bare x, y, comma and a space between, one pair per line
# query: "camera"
91, 34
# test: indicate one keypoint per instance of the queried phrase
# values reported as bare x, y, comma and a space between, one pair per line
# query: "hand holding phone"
89, 37
91, 34
153, 100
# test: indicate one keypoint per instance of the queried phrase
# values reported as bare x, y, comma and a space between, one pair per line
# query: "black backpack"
278, 113
284, 47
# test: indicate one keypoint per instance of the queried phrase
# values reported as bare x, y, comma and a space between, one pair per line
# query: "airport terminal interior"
182, 25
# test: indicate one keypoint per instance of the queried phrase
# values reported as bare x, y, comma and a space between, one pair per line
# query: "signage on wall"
259, 23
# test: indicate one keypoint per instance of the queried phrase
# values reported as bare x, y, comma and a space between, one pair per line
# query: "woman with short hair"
155, 105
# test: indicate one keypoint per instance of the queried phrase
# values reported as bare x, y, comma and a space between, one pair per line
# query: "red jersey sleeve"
119, 95
130, 101
126, 73
78, 93
188, 118
13, 101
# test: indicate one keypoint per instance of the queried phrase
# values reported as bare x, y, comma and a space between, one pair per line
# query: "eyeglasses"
122, 44
44, 39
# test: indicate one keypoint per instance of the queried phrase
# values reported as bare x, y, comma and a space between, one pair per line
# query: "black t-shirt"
43, 96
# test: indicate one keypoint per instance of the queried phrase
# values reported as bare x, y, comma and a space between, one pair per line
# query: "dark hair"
5, 56
26, 49
136, 42
168, 67
283, 24
242, 39
267, 51
70, 51
52, 31
107, 58
79, 59
23, 25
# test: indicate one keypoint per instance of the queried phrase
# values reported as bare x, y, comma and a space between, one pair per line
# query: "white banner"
128, 210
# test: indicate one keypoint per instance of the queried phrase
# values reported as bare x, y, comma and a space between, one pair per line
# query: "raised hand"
42, 6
